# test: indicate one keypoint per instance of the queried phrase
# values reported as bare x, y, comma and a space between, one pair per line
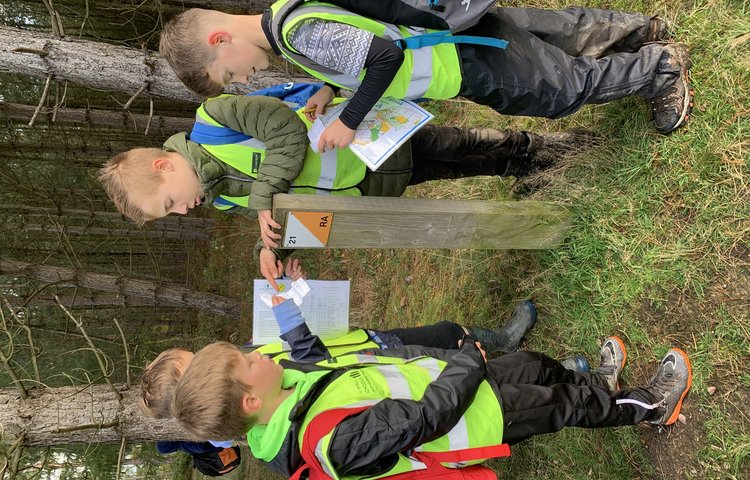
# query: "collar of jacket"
265, 23
208, 169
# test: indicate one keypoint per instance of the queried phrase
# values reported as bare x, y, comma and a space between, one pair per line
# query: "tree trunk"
251, 6
164, 126
80, 414
95, 300
161, 293
171, 222
102, 66
110, 232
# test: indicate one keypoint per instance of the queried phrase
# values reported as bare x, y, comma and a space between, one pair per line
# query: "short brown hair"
208, 398
129, 171
158, 383
184, 47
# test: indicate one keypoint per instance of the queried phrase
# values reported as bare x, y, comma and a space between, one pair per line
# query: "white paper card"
325, 309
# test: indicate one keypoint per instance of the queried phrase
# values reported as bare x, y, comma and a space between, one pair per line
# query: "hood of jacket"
216, 177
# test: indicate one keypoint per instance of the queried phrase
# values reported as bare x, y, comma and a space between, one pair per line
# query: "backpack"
208, 459
447, 16
323, 423
293, 94
453, 15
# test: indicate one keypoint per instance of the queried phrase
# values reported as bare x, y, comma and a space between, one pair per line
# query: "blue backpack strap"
223, 202
294, 94
214, 135
436, 38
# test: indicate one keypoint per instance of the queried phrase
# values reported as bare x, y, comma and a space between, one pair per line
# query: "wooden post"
316, 221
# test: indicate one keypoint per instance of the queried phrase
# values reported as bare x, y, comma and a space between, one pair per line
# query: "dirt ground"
690, 450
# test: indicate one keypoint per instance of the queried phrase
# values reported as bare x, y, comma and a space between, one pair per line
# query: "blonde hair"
208, 399
127, 173
184, 46
158, 383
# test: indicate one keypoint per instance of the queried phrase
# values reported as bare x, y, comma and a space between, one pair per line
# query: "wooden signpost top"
388, 222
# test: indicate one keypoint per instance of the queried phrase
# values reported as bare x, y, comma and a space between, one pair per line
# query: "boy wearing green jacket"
242, 177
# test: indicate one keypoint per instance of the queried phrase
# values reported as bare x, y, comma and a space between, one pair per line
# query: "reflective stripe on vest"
353, 341
337, 172
427, 72
469, 442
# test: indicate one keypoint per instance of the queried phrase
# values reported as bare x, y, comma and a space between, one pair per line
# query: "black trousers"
449, 152
538, 395
443, 335
560, 60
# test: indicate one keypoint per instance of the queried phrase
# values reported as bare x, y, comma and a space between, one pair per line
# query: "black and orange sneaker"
670, 385
671, 107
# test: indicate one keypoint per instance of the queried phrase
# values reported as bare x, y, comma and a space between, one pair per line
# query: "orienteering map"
389, 124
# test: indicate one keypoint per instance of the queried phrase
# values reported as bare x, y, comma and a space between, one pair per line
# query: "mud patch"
716, 328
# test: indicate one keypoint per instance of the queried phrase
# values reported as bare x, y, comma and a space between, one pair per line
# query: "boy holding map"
270, 154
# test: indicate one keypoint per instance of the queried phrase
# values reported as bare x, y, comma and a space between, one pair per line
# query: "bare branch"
140, 90
34, 51
99, 359
6, 361
120, 457
25, 326
57, 27
85, 19
150, 114
43, 98
127, 353
16, 444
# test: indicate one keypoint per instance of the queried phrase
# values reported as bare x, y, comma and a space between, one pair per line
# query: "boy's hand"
276, 300
336, 135
294, 269
317, 103
479, 347
267, 226
270, 267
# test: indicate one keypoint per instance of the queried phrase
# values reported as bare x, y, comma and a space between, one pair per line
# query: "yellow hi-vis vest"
351, 342
480, 427
427, 72
335, 172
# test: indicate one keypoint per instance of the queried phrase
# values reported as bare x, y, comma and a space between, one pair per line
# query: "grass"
658, 254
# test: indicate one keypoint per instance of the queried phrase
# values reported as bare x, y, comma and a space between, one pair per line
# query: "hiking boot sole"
678, 406
617, 368
624, 358
624, 350
687, 104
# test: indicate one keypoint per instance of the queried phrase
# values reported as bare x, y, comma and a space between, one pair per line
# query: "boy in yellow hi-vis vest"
554, 63
273, 156
160, 377
407, 412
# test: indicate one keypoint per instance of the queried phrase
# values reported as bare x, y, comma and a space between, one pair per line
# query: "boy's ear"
217, 37
162, 164
251, 403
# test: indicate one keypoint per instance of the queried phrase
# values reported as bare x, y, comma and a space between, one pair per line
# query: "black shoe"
670, 385
508, 337
546, 151
659, 30
671, 107
577, 363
